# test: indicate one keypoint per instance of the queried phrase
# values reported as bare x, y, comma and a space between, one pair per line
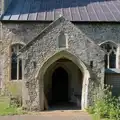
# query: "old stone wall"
101, 32
19, 32
0, 16
1, 73
1, 70
0, 6
13, 33
45, 46
25, 32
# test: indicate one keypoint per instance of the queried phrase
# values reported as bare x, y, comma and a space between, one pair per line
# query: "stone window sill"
16, 80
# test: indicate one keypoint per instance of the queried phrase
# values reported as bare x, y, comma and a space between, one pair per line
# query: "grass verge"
6, 109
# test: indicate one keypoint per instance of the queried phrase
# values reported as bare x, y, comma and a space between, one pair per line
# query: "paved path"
69, 115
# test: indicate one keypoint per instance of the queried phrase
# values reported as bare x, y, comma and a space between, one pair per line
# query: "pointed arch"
110, 49
108, 41
57, 56
75, 60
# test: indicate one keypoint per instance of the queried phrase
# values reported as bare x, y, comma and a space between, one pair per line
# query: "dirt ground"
52, 115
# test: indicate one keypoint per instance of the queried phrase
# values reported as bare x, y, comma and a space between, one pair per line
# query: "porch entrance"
59, 86
63, 85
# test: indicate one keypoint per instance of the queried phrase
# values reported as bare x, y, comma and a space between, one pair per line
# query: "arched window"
16, 63
110, 54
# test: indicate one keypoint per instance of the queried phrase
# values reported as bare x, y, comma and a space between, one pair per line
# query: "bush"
16, 101
7, 109
106, 106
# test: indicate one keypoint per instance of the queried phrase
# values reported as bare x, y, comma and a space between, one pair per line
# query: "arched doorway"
44, 75
59, 80
63, 85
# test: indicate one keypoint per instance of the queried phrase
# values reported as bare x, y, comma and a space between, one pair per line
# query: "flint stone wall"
19, 32
46, 45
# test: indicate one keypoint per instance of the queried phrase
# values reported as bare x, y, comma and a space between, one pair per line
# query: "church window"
110, 54
16, 63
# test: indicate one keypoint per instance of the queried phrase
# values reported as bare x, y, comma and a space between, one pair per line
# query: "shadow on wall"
100, 32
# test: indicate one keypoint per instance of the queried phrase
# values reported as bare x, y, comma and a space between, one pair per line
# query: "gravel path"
58, 115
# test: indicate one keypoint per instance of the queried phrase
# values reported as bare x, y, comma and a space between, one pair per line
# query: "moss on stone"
14, 88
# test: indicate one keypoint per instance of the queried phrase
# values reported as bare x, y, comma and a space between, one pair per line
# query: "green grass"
97, 117
5, 109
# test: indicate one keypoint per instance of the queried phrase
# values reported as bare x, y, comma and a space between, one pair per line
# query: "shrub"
6, 109
106, 105
16, 101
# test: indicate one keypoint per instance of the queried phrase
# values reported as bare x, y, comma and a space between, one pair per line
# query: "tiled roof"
73, 10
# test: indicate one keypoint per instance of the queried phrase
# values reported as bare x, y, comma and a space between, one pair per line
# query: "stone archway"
63, 85
77, 62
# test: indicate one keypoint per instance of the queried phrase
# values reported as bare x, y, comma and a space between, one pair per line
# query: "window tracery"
110, 50
16, 63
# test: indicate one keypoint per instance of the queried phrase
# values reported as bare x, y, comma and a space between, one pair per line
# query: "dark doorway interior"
62, 90
59, 86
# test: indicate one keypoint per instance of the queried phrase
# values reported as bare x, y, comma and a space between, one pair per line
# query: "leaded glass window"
110, 54
16, 63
